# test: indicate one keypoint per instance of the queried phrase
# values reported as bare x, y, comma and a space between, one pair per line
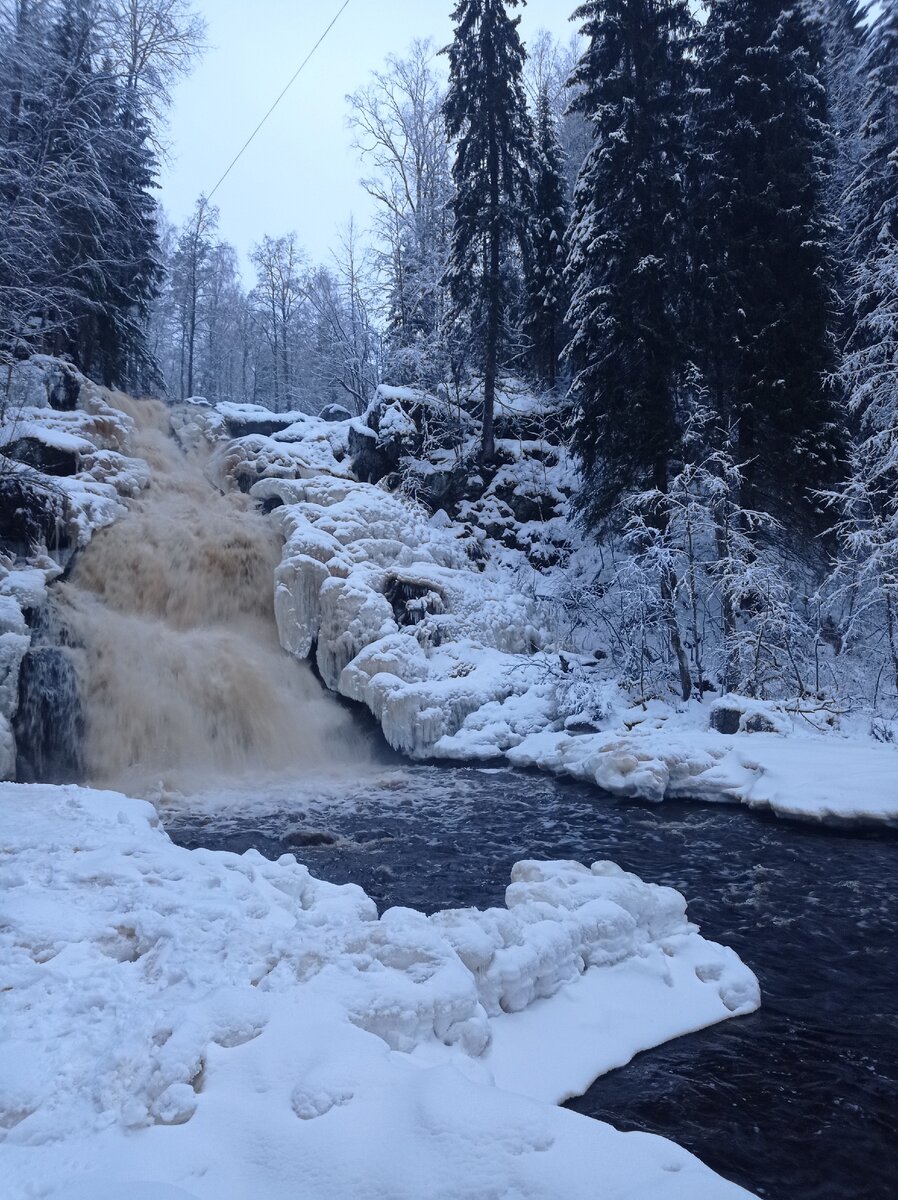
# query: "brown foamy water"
183, 678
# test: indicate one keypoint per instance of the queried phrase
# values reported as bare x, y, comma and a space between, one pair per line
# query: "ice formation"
226, 1026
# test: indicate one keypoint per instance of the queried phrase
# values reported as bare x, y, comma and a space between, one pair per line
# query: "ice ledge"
828, 779
167, 1012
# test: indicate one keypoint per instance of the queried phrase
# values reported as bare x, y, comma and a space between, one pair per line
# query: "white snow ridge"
207, 1025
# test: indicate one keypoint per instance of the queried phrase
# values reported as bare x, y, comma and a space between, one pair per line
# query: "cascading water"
171, 612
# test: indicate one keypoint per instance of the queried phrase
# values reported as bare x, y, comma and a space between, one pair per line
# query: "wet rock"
49, 722
51, 460
310, 837
32, 513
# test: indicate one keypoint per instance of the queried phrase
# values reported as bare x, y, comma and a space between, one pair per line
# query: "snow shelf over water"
209, 1025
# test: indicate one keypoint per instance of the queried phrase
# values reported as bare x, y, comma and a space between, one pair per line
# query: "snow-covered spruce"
440, 627
229, 1026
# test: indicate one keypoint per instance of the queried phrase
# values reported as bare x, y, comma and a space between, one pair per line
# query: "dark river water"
798, 1101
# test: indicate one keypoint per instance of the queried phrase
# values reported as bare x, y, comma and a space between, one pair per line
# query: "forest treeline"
682, 228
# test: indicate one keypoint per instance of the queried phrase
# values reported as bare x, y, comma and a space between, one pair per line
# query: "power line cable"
293, 80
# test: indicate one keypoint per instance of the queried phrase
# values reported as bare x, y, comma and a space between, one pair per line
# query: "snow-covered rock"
229, 1026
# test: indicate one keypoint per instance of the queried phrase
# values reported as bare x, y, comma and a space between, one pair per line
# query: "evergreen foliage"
626, 264
765, 301
486, 116
873, 200
79, 251
545, 284
843, 30
867, 503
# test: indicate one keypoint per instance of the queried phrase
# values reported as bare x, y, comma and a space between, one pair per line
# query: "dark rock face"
726, 720
371, 460
49, 722
447, 487
412, 601
239, 427
48, 459
63, 387
32, 513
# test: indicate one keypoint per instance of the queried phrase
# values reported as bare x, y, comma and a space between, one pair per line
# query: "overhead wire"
299, 70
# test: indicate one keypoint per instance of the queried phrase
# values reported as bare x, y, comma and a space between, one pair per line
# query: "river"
797, 1102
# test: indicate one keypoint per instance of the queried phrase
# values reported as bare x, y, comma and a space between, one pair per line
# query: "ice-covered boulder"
395, 608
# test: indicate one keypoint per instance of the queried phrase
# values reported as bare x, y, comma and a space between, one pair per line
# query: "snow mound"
226, 1026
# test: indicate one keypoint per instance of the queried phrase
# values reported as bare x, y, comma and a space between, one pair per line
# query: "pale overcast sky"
301, 172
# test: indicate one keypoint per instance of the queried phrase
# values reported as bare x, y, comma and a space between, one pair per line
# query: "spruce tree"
77, 190
843, 30
625, 259
868, 502
486, 115
545, 284
133, 273
765, 300
873, 199
77, 254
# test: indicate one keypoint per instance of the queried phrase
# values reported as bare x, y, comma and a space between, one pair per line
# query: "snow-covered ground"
199, 1024
449, 635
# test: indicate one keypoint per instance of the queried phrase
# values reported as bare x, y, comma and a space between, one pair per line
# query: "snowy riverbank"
443, 630
227, 1026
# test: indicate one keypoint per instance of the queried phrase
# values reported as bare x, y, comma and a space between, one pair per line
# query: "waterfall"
171, 612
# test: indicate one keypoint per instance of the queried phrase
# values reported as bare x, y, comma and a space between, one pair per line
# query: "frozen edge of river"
228, 1026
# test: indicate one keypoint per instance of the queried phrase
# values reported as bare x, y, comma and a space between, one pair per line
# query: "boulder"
335, 412
51, 460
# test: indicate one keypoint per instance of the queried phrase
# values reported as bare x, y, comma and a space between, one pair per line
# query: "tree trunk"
493, 307
668, 590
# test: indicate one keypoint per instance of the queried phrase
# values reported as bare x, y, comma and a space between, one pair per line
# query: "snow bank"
209, 1025
823, 779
